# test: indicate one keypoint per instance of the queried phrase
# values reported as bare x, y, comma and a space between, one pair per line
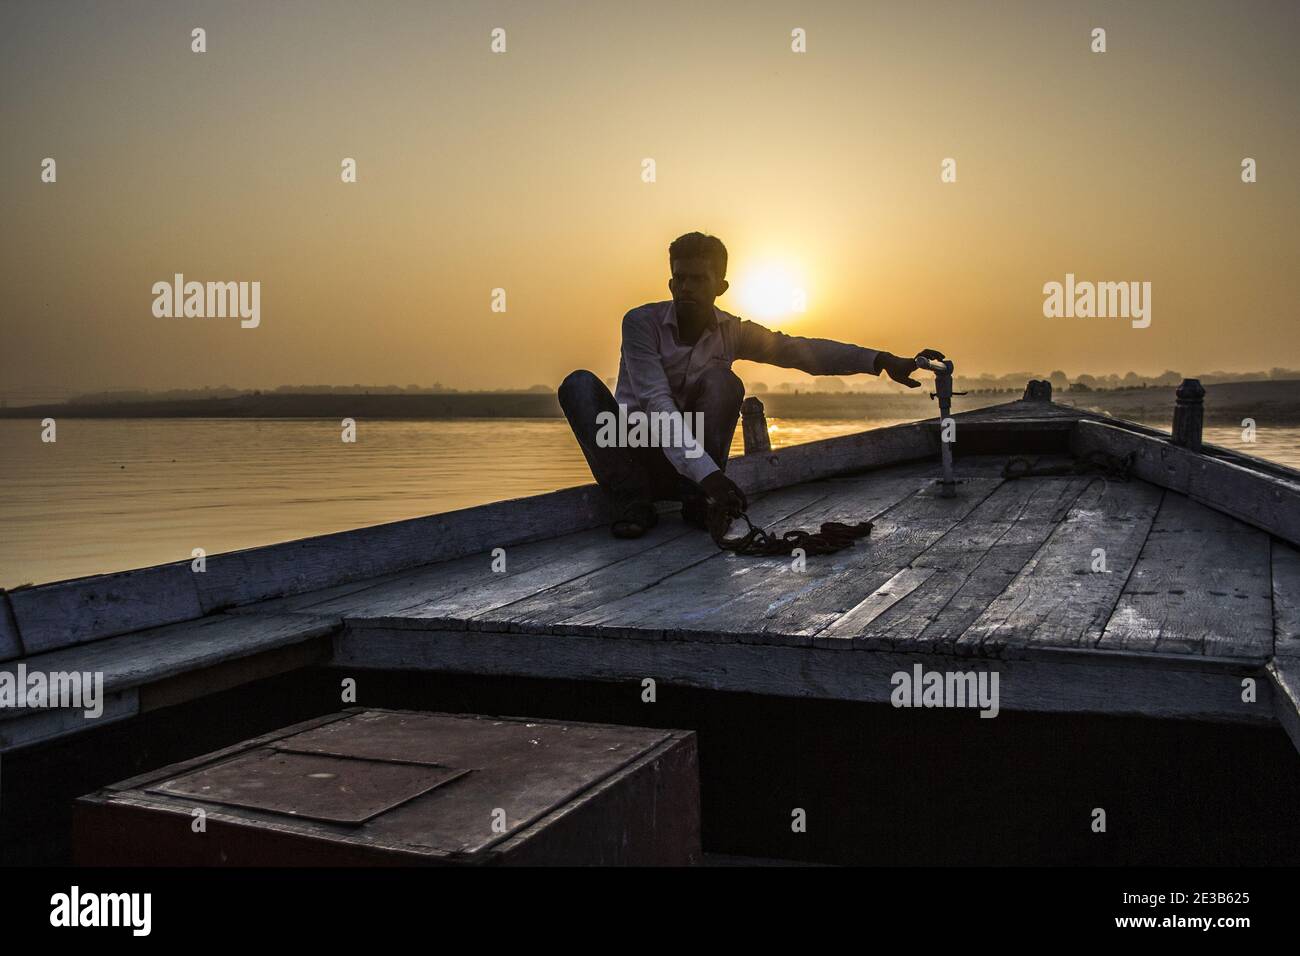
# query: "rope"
837, 536
833, 536
1095, 462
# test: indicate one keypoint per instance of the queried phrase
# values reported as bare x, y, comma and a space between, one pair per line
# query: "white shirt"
656, 369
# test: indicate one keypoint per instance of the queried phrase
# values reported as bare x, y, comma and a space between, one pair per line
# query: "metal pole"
943, 392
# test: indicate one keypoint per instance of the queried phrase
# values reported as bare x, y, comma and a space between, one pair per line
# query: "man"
676, 367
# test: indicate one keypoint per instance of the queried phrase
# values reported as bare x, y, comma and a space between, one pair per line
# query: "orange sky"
522, 171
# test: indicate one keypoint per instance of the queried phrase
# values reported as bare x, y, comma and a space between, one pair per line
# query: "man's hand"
725, 492
900, 369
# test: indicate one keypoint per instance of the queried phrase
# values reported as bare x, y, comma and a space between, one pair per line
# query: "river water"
112, 494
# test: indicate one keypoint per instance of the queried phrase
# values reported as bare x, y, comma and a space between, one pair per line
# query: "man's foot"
695, 511
633, 519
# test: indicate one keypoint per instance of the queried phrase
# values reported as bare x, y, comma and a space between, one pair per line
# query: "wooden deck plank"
573, 565
1267, 499
162, 652
1181, 515
451, 592
556, 608
294, 567
1286, 599
1200, 586
466, 588
968, 567
804, 603
387, 594
391, 593
1024, 410
893, 593
1048, 680
132, 661
706, 597
917, 476
1285, 686
50, 616
465, 592
334, 596
1057, 600
41, 726
10, 645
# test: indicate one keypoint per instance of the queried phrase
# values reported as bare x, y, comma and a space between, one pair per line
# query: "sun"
771, 290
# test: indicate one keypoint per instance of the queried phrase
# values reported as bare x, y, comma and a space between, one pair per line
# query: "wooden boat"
1131, 608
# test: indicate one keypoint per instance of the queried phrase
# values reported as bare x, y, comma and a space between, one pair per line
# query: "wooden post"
1038, 390
753, 427
1189, 414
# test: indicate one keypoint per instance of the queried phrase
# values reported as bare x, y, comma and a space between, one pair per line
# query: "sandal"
634, 519
695, 511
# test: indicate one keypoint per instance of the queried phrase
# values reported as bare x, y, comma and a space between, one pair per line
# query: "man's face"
694, 287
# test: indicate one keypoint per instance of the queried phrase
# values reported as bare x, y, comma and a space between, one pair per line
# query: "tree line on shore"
977, 384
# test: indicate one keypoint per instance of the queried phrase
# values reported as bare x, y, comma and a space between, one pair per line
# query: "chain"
1095, 462
833, 536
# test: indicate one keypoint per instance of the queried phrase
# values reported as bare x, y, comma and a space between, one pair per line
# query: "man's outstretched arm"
757, 343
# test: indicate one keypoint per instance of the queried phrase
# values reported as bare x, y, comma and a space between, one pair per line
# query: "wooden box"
384, 787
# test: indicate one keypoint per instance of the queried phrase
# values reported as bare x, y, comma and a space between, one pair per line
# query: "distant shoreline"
1228, 403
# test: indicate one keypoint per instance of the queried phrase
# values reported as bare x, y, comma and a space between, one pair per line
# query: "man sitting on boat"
675, 366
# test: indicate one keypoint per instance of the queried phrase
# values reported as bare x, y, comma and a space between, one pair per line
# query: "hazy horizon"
523, 170
774, 383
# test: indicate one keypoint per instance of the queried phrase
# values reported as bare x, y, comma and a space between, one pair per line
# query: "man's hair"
697, 245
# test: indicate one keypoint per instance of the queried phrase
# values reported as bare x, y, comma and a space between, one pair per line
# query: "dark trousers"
631, 474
